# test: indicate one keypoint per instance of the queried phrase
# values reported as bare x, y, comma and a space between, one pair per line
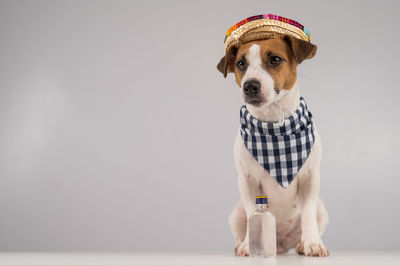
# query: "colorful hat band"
261, 26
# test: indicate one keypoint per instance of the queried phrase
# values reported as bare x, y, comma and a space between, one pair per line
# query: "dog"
265, 71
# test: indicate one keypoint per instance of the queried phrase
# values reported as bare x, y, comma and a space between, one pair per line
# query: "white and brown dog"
265, 70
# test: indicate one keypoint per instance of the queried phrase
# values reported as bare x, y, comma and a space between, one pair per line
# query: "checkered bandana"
281, 150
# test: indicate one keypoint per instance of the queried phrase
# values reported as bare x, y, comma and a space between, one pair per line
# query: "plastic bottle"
262, 230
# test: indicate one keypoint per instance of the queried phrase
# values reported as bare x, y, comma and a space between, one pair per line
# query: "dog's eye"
275, 60
241, 65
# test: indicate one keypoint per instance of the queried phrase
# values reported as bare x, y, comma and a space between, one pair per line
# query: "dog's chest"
283, 202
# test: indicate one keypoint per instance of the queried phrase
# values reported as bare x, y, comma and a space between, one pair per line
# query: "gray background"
117, 130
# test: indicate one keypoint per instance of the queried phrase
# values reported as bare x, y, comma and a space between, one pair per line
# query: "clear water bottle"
262, 231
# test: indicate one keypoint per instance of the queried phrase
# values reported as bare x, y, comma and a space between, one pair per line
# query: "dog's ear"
227, 63
221, 66
301, 49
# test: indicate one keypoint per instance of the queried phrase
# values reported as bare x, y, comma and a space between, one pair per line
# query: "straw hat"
263, 27
266, 27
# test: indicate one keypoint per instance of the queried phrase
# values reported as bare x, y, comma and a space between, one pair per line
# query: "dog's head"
266, 69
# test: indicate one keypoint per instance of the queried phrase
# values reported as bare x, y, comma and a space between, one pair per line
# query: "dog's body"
266, 72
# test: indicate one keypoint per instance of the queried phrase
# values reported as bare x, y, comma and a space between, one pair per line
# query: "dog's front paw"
312, 248
236, 248
242, 249
280, 250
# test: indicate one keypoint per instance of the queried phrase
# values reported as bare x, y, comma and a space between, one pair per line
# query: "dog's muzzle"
251, 88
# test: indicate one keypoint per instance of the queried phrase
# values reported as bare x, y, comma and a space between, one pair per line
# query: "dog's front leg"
311, 243
249, 188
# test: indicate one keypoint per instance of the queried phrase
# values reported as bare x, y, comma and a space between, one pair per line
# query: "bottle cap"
262, 200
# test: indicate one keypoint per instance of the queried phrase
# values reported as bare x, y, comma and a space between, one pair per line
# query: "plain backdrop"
116, 129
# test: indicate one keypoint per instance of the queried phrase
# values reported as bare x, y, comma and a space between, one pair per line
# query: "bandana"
281, 150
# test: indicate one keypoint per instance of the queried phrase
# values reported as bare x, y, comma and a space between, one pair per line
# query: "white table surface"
117, 259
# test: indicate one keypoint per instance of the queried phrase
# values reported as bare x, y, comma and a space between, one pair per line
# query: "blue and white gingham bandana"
281, 150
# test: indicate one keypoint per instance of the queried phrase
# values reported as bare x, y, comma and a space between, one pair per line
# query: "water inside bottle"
262, 231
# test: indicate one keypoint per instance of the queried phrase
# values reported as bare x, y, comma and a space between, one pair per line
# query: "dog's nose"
251, 87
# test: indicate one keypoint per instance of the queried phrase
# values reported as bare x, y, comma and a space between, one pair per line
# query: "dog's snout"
251, 87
